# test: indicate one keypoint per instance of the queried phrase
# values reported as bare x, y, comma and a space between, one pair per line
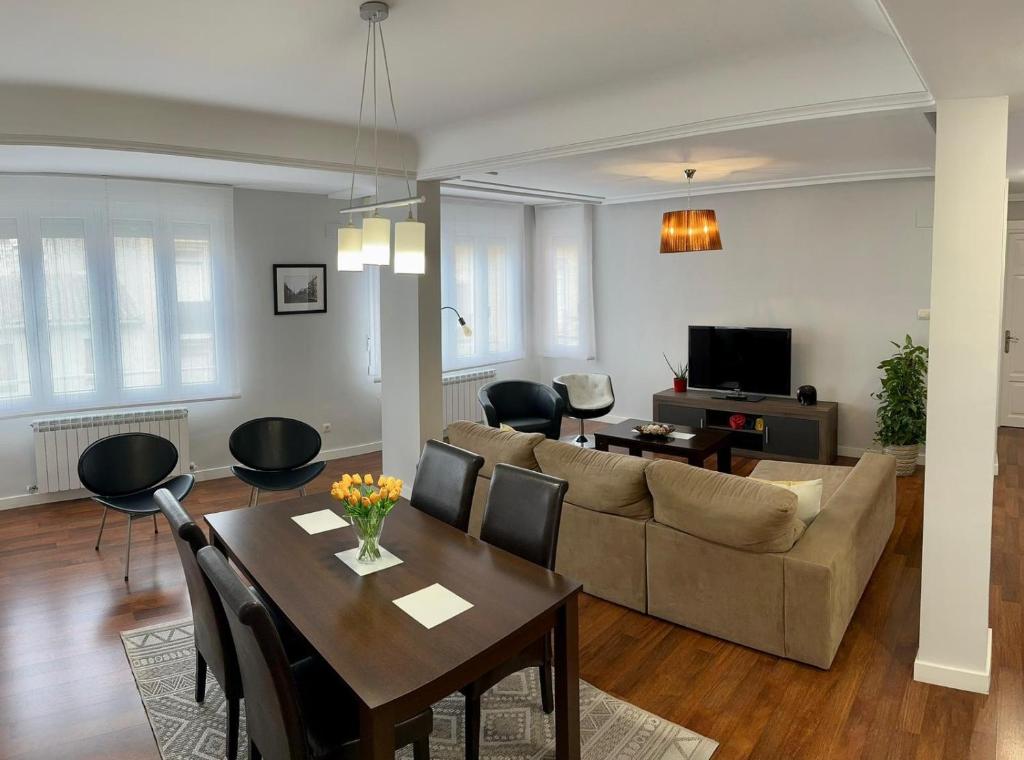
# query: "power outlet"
326, 427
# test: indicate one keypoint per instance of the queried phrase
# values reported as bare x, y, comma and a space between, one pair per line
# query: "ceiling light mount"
374, 11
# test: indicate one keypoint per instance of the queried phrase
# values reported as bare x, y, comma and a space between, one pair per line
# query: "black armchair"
524, 406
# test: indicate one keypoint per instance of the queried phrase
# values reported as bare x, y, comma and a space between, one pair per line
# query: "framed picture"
300, 288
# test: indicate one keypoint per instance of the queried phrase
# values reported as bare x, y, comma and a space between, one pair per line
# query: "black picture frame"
291, 296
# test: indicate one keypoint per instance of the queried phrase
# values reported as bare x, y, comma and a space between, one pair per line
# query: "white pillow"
808, 496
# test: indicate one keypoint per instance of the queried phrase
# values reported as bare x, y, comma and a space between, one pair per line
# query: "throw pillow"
506, 428
808, 496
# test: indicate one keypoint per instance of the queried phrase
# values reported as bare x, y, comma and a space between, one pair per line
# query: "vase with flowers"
367, 504
679, 374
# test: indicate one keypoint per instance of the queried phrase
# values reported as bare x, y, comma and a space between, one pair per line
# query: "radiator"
460, 389
60, 440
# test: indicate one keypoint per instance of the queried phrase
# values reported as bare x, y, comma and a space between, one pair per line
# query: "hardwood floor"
66, 690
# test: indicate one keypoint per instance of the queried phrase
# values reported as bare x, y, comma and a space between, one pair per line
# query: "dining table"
394, 664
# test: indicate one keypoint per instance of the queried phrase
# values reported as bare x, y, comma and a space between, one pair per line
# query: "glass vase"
368, 531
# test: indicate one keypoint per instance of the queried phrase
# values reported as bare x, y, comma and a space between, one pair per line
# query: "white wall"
846, 266
310, 366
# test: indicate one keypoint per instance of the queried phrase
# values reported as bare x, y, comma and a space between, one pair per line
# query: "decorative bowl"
654, 430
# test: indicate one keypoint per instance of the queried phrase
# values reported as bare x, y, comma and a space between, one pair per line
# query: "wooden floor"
66, 690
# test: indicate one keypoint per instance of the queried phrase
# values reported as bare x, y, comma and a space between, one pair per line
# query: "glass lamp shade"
350, 249
690, 231
410, 247
377, 240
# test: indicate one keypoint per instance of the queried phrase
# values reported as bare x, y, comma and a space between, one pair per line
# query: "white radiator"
60, 440
460, 389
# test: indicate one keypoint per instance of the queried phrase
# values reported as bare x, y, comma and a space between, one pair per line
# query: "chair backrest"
519, 398
273, 716
126, 463
585, 390
212, 634
524, 509
274, 443
445, 481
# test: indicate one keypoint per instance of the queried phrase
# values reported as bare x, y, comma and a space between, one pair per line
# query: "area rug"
162, 658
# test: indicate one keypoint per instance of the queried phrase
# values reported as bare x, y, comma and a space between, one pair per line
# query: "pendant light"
690, 231
373, 240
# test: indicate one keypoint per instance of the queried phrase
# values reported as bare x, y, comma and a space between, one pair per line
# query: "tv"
741, 360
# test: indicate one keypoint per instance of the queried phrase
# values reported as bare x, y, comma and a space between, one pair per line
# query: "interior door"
1012, 391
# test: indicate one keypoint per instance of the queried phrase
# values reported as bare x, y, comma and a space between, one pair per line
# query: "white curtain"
481, 277
112, 293
563, 281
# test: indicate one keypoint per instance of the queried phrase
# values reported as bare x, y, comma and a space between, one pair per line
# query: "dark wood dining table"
394, 665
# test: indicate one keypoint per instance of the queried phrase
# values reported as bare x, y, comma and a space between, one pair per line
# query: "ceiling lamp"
691, 230
373, 241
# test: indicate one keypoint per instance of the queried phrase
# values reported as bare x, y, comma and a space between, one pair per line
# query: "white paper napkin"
682, 436
318, 522
432, 605
351, 558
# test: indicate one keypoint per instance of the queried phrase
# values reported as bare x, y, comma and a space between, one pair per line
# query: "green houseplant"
901, 414
679, 374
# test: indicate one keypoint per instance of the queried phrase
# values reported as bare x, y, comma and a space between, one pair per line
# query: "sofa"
718, 553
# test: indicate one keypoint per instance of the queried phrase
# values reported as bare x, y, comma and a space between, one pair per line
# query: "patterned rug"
162, 658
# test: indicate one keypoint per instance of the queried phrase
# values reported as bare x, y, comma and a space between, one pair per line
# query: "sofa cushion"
598, 480
495, 446
832, 476
726, 509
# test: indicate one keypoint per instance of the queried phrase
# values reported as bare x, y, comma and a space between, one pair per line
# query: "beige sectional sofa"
719, 553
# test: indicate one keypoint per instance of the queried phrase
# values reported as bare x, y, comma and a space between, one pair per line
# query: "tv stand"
752, 398
788, 431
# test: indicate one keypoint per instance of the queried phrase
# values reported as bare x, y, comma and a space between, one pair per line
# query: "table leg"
376, 734
600, 444
724, 458
635, 452
567, 681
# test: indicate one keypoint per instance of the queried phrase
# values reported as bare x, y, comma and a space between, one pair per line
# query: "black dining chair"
299, 711
276, 454
123, 471
524, 509
444, 483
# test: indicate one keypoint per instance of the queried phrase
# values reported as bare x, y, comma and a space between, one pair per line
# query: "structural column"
968, 250
410, 322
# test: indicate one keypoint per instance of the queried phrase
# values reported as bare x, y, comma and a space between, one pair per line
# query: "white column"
410, 322
968, 247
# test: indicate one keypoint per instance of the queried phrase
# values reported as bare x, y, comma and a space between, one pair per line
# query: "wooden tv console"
791, 432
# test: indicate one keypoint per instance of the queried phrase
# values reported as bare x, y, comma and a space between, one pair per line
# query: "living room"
304, 256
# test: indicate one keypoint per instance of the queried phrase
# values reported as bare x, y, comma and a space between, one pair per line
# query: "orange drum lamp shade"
690, 231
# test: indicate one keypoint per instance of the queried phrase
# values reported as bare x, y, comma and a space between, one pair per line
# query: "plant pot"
906, 458
679, 384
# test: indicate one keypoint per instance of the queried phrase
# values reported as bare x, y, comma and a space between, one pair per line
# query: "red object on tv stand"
679, 384
738, 421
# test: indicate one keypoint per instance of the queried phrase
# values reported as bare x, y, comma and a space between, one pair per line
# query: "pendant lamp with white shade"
374, 237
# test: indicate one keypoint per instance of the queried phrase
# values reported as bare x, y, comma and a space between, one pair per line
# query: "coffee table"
695, 450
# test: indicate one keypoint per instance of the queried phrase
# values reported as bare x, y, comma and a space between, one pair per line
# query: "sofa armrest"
827, 570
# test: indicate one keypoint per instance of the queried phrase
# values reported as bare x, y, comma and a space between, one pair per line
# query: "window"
563, 282
481, 276
112, 293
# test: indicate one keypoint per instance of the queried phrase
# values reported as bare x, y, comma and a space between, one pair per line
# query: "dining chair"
524, 509
299, 711
123, 471
276, 454
444, 483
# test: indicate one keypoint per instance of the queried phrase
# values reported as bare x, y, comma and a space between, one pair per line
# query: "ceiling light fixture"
691, 230
372, 244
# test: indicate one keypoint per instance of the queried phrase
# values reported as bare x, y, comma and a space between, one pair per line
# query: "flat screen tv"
741, 360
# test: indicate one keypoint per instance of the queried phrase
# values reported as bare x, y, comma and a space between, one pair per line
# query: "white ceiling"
900, 143
116, 163
452, 59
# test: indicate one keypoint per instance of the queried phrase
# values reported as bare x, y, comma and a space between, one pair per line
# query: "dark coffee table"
704, 443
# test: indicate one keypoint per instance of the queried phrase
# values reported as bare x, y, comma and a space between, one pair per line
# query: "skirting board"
209, 473
956, 678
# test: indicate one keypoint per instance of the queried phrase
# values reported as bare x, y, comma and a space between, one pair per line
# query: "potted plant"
679, 375
901, 414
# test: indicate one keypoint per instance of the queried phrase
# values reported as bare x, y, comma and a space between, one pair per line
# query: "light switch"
924, 313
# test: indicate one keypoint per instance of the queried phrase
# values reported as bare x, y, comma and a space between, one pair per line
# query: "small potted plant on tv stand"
901, 414
679, 374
